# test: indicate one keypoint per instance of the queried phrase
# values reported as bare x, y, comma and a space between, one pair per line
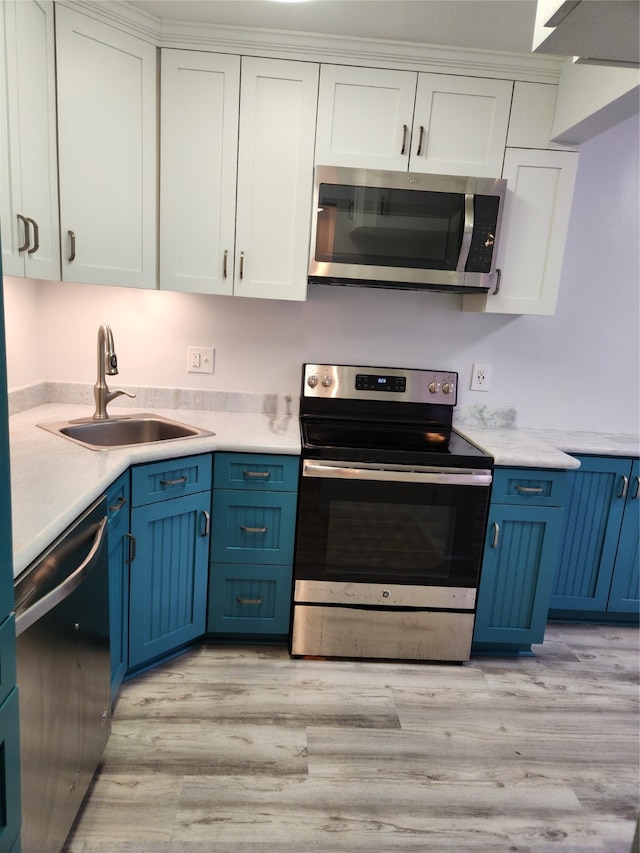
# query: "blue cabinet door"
118, 509
516, 576
591, 531
624, 596
168, 576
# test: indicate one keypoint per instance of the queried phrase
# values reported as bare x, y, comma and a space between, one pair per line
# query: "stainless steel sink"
123, 431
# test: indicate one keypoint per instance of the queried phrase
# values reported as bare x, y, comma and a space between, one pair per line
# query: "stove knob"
434, 387
327, 381
312, 380
448, 388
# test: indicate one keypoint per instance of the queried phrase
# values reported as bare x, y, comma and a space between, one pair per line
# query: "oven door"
390, 536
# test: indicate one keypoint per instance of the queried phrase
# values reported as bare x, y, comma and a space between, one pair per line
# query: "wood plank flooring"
242, 749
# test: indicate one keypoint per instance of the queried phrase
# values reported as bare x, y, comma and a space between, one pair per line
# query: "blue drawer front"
249, 599
171, 478
249, 527
529, 486
260, 471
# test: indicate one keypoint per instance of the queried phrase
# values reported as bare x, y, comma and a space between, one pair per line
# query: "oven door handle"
397, 475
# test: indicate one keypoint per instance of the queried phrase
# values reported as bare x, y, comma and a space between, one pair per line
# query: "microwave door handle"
467, 232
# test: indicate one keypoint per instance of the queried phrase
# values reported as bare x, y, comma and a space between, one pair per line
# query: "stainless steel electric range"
392, 512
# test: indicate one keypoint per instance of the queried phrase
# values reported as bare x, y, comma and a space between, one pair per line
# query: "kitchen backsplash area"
548, 372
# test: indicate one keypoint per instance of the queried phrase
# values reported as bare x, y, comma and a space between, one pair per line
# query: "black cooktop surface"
410, 443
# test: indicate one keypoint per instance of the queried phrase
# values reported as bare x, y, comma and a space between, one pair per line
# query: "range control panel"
349, 382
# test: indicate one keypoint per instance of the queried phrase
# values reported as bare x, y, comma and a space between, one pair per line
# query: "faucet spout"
107, 366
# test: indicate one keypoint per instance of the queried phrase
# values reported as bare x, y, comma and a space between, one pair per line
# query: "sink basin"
123, 431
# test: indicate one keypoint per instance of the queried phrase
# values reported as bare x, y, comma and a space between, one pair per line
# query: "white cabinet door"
534, 230
107, 153
275, 177
198, 151
460, 125
28, 157
365, 117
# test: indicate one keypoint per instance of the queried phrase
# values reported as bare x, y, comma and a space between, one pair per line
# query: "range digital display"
379, 382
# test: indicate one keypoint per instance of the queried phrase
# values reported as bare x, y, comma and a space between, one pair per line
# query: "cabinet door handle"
249, 600
420, 141
636, 494
72, 244
403, 150
132, 548
263, 475
224, 263
529, 490
207, 523
179, 482
118, 506
36, 236
253, 529
241, 265
496, 534
25, 223
625, 487
498, 281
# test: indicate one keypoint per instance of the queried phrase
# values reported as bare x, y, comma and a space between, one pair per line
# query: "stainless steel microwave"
405, 230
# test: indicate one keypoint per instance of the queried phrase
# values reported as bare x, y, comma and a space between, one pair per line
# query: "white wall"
576, 370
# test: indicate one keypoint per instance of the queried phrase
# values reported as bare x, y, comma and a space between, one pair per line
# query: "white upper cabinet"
107, 152
401, 120
236, 159
365, 116
28, 158
275, 177
534, 230
199, 103
460, 125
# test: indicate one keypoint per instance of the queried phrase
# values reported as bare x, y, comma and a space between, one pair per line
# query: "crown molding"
320, 48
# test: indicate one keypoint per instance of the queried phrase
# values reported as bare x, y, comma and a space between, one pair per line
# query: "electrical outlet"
480, 377
200, 359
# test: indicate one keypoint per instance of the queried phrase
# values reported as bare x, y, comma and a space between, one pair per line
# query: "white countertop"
54, 480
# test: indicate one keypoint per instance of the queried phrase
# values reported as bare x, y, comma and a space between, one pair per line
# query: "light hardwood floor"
244, 749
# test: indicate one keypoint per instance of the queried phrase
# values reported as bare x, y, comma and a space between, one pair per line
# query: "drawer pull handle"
404, 139
529, 490
27, 239
253, 529
496, 534
116, 507
36, 236
132, 548
262, 475
224, 263
249, 600
637, 492
207, 523
625, 487
72, 244
420, 141
179, 482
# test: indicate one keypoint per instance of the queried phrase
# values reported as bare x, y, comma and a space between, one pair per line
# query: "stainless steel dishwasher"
62, 628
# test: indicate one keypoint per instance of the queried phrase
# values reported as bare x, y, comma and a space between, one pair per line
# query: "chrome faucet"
107, 365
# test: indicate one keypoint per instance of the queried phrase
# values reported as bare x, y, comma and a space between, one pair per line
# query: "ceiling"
502, 25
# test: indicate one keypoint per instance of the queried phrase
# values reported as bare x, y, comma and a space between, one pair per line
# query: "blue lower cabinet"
523, 534
254, 519
598, 568
249, 599
170, 561
10, 808
120, 544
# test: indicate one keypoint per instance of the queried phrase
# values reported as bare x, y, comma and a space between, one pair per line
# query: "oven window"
378, 226
369, 532
382, 535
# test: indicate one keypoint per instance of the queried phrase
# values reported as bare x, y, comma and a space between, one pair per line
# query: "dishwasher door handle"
43, 605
